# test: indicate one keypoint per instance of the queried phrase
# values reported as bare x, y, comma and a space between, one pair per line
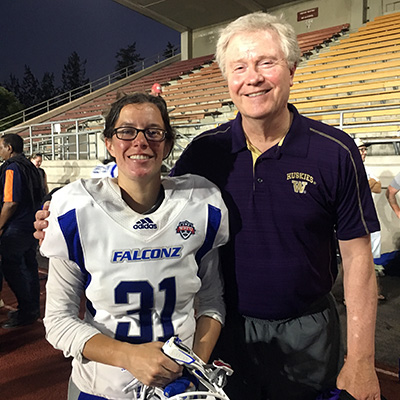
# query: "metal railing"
64, 98
343, 125
77, 139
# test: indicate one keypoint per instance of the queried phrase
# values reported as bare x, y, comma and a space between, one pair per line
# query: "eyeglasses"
130, 133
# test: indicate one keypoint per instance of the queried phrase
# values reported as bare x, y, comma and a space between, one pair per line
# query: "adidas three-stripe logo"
145, 223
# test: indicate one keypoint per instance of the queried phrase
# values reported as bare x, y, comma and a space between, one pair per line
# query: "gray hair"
259, 21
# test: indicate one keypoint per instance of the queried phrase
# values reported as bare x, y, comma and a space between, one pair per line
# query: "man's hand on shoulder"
41, 222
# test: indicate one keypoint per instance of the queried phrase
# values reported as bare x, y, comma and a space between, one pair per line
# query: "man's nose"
254, 76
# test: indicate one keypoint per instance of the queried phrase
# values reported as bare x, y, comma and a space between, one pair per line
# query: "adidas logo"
145, 223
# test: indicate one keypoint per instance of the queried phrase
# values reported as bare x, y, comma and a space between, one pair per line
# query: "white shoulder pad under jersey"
142, 272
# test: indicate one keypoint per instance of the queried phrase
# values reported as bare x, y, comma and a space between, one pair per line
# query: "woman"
143, 250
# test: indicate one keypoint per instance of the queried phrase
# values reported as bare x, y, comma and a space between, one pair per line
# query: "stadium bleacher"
315, 40
357, 76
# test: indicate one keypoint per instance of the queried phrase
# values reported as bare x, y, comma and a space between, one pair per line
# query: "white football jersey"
145, 277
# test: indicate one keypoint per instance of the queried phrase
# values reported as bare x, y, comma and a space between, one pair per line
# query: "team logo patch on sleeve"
185, 229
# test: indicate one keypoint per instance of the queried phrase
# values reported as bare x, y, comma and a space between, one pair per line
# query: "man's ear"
292, 71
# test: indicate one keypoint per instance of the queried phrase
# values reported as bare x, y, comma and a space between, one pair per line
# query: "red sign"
307, 14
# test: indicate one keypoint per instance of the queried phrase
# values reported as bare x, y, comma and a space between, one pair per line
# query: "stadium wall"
61, 172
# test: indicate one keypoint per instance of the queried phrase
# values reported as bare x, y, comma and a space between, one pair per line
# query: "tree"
170, 50
74, 73
48, 89
9, 105
127, 58
31, 92
30, 89
13, 86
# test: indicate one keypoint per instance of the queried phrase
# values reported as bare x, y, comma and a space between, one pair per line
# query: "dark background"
43, 33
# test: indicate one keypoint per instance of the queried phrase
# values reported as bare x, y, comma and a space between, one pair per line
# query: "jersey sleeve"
54, 244
62, 235
209, 300
66, 280
64, 329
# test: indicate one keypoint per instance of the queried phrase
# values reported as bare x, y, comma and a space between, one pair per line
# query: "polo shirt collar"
295, 143
297, 140
238, 135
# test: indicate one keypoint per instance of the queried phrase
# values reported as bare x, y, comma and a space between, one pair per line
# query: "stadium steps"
357, 75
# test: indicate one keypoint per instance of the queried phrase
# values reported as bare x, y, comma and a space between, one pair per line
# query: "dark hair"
15, 141
35, 155
138, 98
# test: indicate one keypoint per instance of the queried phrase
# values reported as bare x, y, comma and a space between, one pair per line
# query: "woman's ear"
167, 149
109, 146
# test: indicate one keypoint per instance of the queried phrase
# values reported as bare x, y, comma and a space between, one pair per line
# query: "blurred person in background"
21, 194
37, 160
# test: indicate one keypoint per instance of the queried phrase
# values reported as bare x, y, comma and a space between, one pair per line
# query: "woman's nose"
140, 139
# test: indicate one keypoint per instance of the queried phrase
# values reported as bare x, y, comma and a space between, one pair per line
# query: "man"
373, 181
376, 187
391, 192
37, 160
292, 186
21, 193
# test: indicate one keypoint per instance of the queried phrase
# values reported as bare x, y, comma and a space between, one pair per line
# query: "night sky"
43, 33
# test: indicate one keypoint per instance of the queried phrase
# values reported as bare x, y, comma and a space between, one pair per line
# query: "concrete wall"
205, 40
330, 13
59, 173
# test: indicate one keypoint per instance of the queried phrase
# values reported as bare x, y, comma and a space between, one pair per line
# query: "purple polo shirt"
286, 213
